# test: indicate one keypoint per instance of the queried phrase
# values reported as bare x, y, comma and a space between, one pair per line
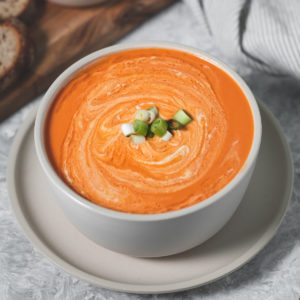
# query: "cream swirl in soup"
89, 152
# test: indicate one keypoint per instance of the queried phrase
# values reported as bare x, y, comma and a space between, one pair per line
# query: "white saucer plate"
250, 229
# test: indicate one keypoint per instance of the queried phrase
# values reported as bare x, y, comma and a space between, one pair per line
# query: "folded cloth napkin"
262, 34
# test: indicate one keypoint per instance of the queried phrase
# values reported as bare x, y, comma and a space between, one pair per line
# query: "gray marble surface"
273, 274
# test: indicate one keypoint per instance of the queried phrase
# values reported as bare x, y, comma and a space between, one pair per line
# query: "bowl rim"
71, 72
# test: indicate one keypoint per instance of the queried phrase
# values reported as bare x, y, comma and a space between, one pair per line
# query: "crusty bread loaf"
23, 9
16, 51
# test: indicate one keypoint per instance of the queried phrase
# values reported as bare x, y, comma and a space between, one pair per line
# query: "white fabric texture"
261, 34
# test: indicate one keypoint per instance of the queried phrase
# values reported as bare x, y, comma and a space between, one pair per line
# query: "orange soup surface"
86, 146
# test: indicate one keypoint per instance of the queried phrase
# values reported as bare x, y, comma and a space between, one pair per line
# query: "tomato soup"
86, 146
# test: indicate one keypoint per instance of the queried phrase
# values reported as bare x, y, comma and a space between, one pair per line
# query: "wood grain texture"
63, 35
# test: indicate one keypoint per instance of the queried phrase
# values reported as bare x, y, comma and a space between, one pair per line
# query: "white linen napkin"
262, 34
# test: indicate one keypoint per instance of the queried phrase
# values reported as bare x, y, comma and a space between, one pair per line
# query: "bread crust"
25, 14
25, 53
29, 12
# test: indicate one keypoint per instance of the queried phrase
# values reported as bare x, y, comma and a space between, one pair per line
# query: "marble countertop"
273, 274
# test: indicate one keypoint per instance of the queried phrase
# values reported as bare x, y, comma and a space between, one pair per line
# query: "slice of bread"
23, 9
16, 51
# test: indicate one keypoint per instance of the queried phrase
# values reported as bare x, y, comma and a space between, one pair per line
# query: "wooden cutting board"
62, 35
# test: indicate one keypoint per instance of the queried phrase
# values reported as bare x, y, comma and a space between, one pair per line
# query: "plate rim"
44, 249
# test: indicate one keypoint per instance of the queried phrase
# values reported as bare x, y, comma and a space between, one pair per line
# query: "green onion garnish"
166, 136
159, 127
150, 134
152, 117
182, 117
142, 115
137, 139
127, 129
154, 109
174, 124
145, 125
140, 127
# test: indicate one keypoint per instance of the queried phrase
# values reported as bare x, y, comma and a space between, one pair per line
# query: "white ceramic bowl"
151, 235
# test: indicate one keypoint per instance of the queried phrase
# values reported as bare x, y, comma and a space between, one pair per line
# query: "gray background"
273, 274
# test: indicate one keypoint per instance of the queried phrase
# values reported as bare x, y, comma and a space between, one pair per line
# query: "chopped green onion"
150, 134
166, 136
127, 129
153, 109
142, 115
152, 117
140, 127
182, 117
137, 139
174, 124
159, 127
